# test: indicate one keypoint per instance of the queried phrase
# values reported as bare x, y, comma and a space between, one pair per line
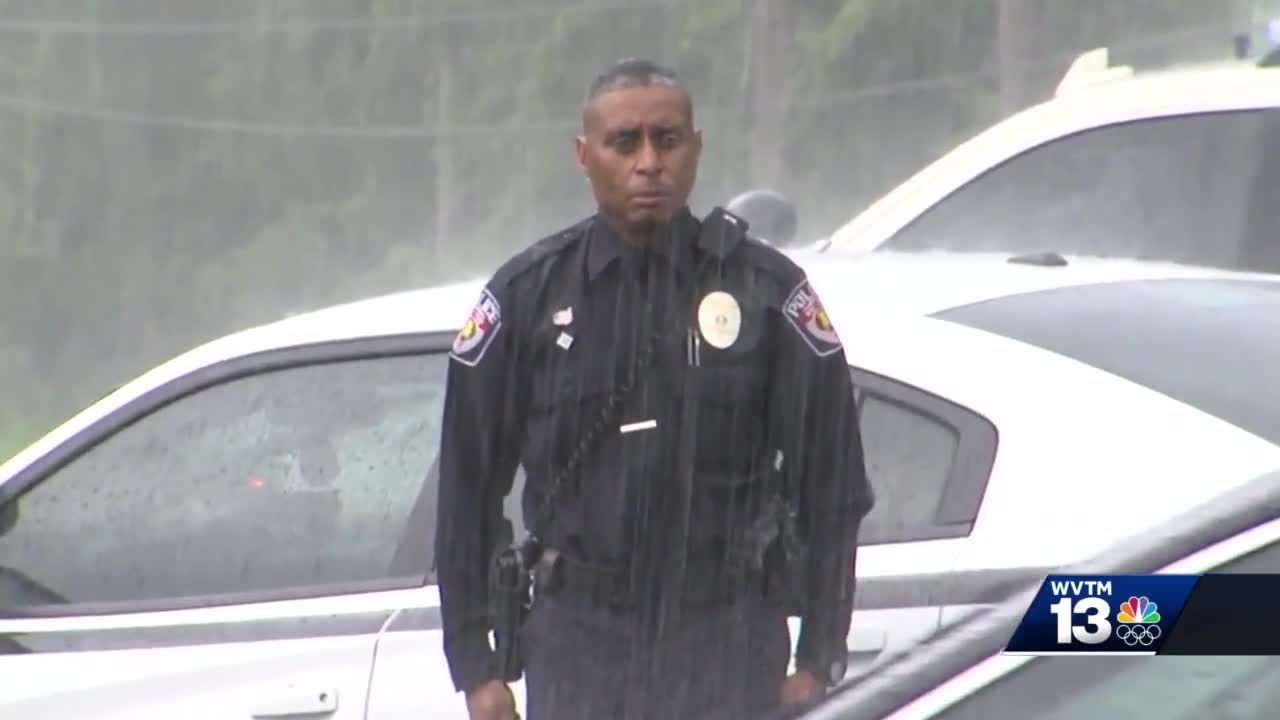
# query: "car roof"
1092, 75
1092, 94
962, 646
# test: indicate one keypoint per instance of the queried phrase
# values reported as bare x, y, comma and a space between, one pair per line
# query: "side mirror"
1240, 42
770, 215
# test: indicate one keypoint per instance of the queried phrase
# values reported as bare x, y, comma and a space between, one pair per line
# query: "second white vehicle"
1178, 164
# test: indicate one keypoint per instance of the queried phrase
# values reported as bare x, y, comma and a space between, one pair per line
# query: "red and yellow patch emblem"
478, 331
803, 309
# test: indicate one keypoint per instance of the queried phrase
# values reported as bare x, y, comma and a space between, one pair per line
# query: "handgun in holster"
792, 553
512, 593
772, 549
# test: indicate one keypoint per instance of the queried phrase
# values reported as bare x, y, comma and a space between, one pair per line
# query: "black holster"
512, 598
788, 574
771, 551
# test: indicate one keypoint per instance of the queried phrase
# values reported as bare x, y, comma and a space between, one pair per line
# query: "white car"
963, 674
1176, 165
246, 530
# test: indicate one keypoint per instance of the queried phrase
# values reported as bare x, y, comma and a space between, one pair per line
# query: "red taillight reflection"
257, 482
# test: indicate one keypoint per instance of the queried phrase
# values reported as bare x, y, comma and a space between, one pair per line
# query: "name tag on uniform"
637, 426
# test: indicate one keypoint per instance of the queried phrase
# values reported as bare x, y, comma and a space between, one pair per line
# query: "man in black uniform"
662, 380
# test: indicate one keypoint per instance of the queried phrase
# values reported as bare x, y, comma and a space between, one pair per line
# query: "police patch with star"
803, 309
478, 332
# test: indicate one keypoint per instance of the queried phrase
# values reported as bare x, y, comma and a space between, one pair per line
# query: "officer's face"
640, 151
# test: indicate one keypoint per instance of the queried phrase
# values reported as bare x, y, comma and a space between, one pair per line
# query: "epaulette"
537, 253
770, 259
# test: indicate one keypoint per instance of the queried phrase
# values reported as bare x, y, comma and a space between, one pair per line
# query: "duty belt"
577, 581
609, 586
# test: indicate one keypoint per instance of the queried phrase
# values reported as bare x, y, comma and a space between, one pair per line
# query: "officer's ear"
580, 152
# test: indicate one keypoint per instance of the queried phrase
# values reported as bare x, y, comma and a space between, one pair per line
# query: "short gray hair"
632, 72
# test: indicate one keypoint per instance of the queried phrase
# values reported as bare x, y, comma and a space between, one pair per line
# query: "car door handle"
296, 701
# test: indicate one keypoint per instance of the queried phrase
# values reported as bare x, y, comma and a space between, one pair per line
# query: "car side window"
928, 461
1178, 189
299, 477
1141, 688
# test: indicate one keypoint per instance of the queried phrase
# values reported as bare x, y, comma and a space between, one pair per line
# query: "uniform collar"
605, 246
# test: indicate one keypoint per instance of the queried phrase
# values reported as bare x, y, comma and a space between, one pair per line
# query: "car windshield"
1138, 688
1198, 188
1168, 688
962, 674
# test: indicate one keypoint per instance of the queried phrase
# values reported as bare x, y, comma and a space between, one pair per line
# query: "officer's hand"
799, 687
492, 701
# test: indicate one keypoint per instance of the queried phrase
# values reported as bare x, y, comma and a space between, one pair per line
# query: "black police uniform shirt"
559, 327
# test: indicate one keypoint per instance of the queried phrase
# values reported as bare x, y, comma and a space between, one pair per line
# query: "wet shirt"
732, 365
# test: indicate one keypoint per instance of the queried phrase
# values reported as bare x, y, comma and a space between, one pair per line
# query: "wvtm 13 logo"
1098, 615
1137, 623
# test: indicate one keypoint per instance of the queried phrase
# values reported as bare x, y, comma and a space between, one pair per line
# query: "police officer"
661, 379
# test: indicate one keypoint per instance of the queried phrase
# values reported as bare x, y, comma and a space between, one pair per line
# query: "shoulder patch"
803, 309
478, 332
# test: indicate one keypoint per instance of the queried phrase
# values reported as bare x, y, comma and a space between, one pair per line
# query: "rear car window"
1213, 344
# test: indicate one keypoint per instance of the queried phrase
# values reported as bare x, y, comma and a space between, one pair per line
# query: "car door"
226, 545
928, 460
411, 677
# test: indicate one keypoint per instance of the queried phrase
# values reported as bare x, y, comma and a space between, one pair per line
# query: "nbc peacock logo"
1139, 620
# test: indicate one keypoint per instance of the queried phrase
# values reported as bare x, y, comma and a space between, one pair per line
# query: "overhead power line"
416, 132
402, 132
375, 132
284, 25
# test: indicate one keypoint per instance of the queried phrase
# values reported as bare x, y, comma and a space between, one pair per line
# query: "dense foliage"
174, 169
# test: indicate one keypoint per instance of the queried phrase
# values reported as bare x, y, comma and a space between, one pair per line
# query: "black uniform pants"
715, 663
